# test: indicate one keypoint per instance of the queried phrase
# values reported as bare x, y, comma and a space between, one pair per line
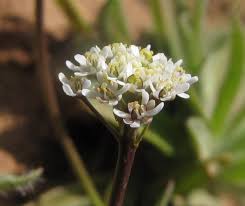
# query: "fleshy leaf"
202, 138
211, 78
232, 79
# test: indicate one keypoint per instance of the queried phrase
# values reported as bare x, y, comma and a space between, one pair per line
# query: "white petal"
67, 89
151, 86
135, 50
178, 63
80, 59
71, 66
170, 97
81, 74
128, 121
63, 78
124, 89
184, 95
187, 77
113, 86
88, 93
120, 82
86, 84
129, 69
156, 93
148, 47
106, 52
100, 77
160, 57
181, 88
155, 111
135, 124
121, 114
114, 79
193, 80
101, 64
156, 57
113, 102
145, 97
95, 49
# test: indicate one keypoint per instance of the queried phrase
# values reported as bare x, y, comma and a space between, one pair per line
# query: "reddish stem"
125, 162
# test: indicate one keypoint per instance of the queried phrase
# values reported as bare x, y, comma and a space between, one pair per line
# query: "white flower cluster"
131, 79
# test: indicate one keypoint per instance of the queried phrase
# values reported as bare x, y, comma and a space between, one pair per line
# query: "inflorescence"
134, 80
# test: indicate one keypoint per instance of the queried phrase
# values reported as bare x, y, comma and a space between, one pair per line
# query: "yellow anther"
146, 53
136, 80
92, 58
114, 68
76, 83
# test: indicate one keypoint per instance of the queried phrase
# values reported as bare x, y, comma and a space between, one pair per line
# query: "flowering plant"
134, 80
136, 83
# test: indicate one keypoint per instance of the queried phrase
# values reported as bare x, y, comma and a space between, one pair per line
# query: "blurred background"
194, 152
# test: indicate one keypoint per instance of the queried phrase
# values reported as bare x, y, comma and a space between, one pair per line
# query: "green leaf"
234, 174
11, 182
166, 10
233, 141
195, 43
202, 138
157, 18
74, 15
158, 142
211, 76
112, 22
238, 107
232, 79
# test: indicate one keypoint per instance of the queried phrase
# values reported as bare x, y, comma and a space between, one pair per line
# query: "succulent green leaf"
232, 80
211, 77
202, 138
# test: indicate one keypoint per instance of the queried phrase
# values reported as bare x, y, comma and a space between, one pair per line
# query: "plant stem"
49, 94
125, 161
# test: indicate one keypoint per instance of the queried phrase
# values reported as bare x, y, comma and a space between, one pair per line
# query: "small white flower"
139, 113
128, 77
105, 90
74, 85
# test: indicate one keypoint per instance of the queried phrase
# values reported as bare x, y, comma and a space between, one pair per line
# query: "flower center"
76, 83
105, 90
137, 109
92, 58
146, 53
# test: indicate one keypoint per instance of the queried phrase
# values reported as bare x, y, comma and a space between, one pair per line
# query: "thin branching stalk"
49, 95
126, 154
